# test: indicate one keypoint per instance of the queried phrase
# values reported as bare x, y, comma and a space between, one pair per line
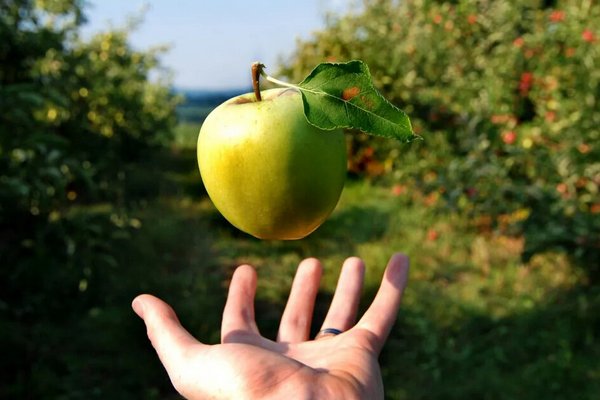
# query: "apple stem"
256, 73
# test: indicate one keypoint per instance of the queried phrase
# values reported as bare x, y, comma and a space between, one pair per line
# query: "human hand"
247, 365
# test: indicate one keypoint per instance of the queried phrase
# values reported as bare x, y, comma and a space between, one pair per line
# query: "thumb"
170, 340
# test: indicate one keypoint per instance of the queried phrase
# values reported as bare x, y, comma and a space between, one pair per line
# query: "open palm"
248, 366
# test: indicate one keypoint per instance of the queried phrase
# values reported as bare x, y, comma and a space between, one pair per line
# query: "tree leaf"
342, 95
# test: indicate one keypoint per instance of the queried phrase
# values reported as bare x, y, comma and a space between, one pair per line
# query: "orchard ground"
476, 321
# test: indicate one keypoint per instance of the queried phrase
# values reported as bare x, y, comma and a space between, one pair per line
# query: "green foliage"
75, 115
505, 95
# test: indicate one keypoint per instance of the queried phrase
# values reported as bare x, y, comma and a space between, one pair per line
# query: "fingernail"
399, 274
405, 262
138, 307
405, 259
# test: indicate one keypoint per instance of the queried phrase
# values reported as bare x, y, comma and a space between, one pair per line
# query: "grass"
186, 135
476, 321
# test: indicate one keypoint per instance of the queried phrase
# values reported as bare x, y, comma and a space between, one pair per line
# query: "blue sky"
213, 43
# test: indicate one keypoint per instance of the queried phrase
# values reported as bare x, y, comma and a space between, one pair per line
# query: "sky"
214, 42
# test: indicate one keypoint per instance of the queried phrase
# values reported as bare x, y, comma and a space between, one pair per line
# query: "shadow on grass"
341, 233
164, 173
356, 224
548, 352
80, 339
67, 329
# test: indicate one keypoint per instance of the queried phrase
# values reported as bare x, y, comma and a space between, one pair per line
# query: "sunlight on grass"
468, 271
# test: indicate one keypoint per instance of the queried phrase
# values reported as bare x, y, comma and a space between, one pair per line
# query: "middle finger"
297, 316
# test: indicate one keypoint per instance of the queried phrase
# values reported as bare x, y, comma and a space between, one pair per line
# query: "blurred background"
101, 199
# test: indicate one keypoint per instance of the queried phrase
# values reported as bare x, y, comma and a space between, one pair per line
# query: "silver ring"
328, 331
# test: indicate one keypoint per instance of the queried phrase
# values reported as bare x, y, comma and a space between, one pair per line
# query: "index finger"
381, 315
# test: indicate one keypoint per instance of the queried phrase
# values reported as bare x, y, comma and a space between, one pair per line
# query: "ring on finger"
328, 332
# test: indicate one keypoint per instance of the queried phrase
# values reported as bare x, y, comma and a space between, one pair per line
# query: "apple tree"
76, 113
505, 94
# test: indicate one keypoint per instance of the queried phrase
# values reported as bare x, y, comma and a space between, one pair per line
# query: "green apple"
266, 169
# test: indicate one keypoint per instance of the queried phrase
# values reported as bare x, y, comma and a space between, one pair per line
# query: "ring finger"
344, 306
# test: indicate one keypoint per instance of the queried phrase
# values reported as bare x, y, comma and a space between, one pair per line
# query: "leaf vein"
370, 113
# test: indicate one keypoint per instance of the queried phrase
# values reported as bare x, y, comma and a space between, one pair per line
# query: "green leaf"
342, 95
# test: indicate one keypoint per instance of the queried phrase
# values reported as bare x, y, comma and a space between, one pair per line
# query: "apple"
266, 169
509, 137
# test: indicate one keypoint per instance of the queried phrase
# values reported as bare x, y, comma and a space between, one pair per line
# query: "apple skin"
266, 169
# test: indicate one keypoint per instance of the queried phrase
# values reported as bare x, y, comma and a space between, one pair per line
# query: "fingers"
382, 313
170, 340
297, 316
238, 315
344, 306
